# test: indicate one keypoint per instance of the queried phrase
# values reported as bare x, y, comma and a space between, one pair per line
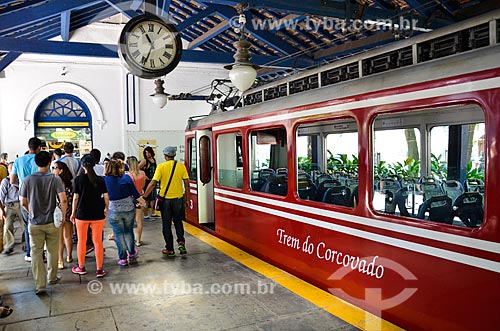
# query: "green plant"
438, 167
342, 163
474, 173
305, 164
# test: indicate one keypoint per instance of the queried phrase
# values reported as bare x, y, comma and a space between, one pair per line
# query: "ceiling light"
160, 98
242, 73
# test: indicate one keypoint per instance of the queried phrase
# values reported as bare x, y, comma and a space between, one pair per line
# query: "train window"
429, 165
230, 160
192, 158
269, 161
327, 162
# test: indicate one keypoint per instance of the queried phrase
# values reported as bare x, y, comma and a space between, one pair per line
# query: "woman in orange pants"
90, 208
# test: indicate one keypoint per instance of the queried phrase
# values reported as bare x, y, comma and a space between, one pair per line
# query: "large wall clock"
149, 47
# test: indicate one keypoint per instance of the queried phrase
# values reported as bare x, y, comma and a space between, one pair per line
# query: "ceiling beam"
216, 30
22, 45
57, 47
30, 16
8, 59
123, 7
331, 8
195, 18
228, 13
65, 24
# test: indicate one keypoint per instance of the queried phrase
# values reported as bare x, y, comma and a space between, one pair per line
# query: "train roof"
466, 47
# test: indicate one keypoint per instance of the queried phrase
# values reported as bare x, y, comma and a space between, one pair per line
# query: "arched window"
61, 118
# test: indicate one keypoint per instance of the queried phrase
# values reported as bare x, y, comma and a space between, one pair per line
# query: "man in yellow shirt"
175, 197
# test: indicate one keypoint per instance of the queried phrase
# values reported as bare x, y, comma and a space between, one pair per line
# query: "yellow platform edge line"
330, 303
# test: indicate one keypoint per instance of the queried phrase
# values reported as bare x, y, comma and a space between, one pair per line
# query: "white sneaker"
27, 258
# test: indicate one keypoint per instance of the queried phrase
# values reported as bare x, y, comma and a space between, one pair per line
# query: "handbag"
58, 217
160, 200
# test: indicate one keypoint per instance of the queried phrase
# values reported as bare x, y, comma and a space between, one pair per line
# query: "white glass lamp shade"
160, 99
242, 76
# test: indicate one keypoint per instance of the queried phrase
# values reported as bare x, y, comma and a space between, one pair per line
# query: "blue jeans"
173, 210
25, 216
122, 223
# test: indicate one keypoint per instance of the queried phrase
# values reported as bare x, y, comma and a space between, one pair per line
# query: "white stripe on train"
484, 84
405, 229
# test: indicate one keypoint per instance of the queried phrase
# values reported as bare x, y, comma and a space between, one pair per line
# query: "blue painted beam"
264, 36
8, 59
123, 7
57, 47
65, 23
321, 8
216, 30
329, 8
424, 9
163, 7
136, 4
450, 9
110, 51
195, 18
40, 13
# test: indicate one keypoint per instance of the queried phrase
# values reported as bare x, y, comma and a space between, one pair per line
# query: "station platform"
216, 286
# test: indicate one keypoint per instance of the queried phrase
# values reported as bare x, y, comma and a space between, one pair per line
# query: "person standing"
148, 165
10, 211
3, 166
72, 162
61, 169
174, 174
90, 208
139, 178
121, 213
38, 196
23, 167
56, 155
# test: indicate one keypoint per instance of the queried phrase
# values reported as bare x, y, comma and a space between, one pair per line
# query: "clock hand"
151, 43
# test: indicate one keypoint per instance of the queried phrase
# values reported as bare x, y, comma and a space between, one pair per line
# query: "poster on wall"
53, 136
158, 141
143, 143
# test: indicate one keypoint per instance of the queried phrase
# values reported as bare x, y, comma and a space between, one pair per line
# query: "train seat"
257, 184
469, 208
431, 189
389, 187
400, 201
474, 185
439, 209
324, 186
266, 172
338, 195
453, 189
306, 189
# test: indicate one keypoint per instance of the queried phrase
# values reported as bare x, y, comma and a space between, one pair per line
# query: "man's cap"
170, 150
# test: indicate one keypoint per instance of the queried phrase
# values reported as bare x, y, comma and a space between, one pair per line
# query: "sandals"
6, 311
69, 259
111, 236
138, 243
60, 265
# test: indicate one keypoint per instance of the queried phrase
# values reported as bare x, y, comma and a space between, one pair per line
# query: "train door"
205, 183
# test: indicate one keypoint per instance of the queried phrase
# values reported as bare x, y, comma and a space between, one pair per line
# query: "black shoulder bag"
161, 199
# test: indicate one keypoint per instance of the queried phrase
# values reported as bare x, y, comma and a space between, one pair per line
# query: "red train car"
373, 178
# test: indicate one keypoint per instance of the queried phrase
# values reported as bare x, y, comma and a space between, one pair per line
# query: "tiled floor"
203, 290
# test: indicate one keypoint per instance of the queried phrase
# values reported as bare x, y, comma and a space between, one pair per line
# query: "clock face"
150, 47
